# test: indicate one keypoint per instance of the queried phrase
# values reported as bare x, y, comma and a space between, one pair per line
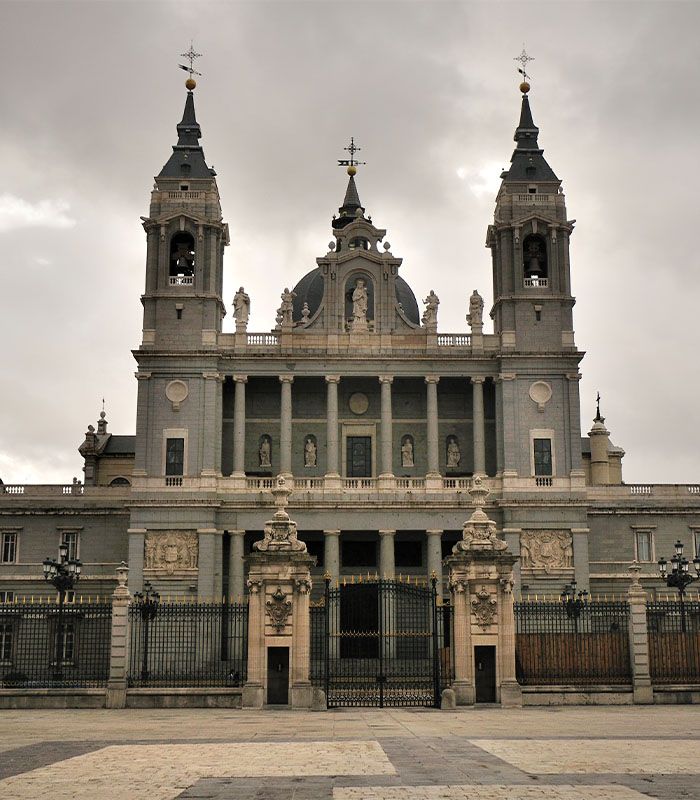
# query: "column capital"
212, 376
506, 376
332, 378
240, 378
386, 379
286, 378
573, 376
432, 379
236, 532
331, 533
387, 533
477, 378
142, 376
434, 532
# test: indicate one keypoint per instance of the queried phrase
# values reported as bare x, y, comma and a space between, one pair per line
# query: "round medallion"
358, 403
540, 393
176, 392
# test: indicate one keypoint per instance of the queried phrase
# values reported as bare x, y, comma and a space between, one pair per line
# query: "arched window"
182, 258
358, 243
120, 481
535, 260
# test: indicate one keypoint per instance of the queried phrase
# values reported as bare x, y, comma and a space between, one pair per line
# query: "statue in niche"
265, 451
284, 314
241, 307
310, 452
407, 452
475, 317
305, 313
454, 455
432, 301
359, 302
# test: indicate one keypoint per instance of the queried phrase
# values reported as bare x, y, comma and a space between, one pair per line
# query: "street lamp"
62, 575
573, 602
679, 577
148, 608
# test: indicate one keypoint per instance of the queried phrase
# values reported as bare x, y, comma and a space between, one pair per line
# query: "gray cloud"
429, 90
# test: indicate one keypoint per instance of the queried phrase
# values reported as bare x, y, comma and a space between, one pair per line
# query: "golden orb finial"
352, 170
190, 84
524, 87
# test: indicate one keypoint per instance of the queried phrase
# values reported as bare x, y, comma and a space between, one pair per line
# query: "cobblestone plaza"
485, 754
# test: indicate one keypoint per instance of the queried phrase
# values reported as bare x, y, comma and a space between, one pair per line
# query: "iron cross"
523, 58
191, 55
352, 149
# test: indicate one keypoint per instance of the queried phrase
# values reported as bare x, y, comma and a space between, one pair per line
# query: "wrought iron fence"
319, 642
445, 637
47, 645
674, 641
581, 645
188, 644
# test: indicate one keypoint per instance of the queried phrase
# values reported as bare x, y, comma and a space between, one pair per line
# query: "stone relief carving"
278, 610
546, 551
479, 532
171, 552
484, 607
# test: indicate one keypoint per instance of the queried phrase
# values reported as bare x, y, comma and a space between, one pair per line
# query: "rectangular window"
543, 456
9, 548
408, 554
5, 642
174, 456
6, 596
359, 554
70, 538
696, 543
643, 545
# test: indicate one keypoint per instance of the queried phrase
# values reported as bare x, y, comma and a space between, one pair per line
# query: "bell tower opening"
535, 261
182, 259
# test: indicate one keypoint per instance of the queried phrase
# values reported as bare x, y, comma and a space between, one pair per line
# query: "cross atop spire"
524, 58
191, 55
351, 163
598, 417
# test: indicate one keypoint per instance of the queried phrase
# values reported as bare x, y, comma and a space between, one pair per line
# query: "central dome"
310, 290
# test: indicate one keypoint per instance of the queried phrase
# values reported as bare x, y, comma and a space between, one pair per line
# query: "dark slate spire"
187, 160
527, 162
351, 203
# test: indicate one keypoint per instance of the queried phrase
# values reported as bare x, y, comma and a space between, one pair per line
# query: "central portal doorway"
359, 457
278, 676
485, 673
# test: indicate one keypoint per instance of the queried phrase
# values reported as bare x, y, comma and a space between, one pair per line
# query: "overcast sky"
90, 97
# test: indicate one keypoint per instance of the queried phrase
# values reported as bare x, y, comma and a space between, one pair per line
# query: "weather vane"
191, 55
351, 163
523, 58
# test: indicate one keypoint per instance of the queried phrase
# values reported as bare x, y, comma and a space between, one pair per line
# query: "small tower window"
359, 243
182, 259
535, 261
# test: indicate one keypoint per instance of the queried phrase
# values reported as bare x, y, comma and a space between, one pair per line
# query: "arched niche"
182, 255
353, 295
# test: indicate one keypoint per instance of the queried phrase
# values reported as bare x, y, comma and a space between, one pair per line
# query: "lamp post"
63, 575
148, 608
679, 576
573, 602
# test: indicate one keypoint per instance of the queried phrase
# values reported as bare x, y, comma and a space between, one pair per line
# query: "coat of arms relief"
169, 552
547, 552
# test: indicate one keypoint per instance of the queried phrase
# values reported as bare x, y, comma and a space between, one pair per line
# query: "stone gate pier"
481, 583
279, 585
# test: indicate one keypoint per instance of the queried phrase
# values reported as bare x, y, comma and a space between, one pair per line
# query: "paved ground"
469, 754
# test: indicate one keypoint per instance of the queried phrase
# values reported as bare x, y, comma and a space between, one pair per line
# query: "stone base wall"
184, 698
52, 698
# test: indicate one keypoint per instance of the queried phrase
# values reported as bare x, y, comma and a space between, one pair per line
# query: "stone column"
331, 553
209, 581
301, 690
387, 568
137, 551
479, 432
639, 640
286, 425
332, 461
432, 426
434, 556
141, 465
239, 425
387, 468
119, 643
236, 565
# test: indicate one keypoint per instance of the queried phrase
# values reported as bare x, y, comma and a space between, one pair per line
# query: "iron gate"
386, 643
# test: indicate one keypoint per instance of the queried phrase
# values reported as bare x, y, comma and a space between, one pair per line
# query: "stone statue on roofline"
241, 309
475, 317
432, 301
286, 309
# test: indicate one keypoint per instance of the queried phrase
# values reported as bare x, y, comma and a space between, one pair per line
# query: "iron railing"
47, 645
583, 644
674, 641
188, 644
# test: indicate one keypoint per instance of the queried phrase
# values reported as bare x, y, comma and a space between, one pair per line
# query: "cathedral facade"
377, 419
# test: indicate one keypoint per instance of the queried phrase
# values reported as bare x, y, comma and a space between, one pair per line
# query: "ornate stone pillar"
387, 568
434, 556
279, 580
432, 426
119, 641
332, 465
331, 553
236, 564
479, 431
286, 425
239, 425
387, 468
639, 640
481, 581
